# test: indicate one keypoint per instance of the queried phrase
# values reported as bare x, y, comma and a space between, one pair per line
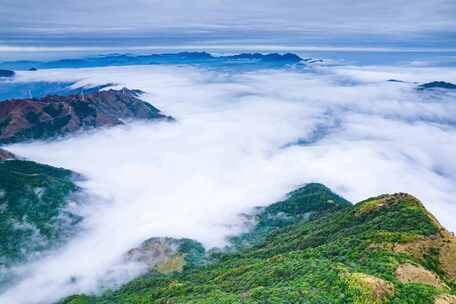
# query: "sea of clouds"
242, 139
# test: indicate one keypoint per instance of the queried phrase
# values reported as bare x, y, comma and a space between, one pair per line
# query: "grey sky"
29, 22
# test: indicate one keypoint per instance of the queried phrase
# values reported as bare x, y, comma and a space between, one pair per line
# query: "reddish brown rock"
52, 116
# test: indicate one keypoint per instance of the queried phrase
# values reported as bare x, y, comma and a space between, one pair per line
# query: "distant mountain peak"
287, 57
165, 58
6, 73
437, 85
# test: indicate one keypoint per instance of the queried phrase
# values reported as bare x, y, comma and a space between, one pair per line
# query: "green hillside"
33, 209
387, 249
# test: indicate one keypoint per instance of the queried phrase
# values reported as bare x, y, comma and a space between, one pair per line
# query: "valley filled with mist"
241, 131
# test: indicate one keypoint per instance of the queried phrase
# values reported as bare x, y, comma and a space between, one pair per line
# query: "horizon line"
254, 47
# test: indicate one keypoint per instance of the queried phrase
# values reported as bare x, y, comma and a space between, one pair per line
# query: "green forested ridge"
305, 203
33, 198
387, 249
164, 254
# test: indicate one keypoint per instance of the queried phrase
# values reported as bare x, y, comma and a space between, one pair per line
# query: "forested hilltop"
313, 247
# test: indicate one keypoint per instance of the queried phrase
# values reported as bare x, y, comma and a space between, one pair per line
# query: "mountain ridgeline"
40, 89
170, 58
53, 116
386, 249
6, 74
437, 85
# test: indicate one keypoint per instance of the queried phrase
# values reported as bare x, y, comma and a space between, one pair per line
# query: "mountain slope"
165, 255
40, 89
387, 249
5, 155
52, 116
305, 203
34, 213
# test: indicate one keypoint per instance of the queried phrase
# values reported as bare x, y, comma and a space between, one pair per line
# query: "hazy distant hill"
437, 85
172, 58
6, 73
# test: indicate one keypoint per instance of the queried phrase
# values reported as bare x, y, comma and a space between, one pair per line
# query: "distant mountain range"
437, 85
171, 58
428, 85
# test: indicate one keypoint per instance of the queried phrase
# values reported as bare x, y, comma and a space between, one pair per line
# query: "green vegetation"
33, 208
305, 203
346, 254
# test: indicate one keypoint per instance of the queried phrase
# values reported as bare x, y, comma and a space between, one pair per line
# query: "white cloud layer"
230, 150
202, 18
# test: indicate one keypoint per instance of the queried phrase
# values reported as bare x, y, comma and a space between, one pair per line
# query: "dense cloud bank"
76, 24
240, 140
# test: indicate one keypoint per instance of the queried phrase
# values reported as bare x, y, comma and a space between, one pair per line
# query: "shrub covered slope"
387, 249
34, 211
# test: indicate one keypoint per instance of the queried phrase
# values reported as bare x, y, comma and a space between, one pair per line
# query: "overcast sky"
404, 23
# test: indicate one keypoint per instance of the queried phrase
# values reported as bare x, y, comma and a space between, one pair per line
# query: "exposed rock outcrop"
441, 245
408, 273
371, 287
445, 299
167, 255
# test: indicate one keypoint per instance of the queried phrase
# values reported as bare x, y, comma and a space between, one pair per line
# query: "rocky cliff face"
52, 116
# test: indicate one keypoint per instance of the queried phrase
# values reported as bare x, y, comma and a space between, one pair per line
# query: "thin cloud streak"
35, 23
